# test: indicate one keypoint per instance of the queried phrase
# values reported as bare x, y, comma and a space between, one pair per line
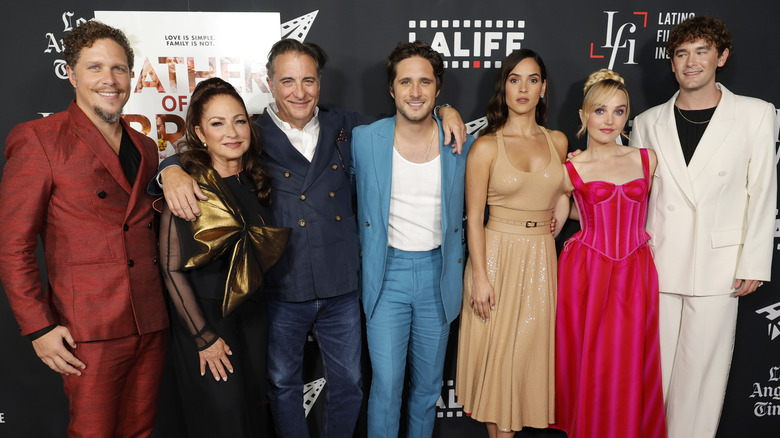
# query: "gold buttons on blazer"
287, 174
332, 194
338, 218
334, 166
302, 197
301, 223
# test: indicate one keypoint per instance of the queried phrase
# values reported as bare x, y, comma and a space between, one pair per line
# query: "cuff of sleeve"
38, 333
437, 109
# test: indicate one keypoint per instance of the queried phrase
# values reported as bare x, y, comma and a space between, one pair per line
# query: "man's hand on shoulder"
453, 127
51, 349
181, 193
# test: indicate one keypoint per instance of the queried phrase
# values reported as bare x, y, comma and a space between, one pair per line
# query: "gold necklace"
430, 143
689, 120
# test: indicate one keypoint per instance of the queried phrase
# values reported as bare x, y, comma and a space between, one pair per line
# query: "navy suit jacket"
372, 159
315, 200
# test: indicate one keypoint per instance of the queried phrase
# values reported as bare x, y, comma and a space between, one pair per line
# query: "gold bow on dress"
221, 228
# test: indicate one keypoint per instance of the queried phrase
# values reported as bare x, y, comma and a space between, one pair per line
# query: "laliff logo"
767, 395
55, 45
448, 408
470, 43
772, 311
617, 41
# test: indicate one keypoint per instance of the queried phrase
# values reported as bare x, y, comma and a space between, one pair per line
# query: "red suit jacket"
64, 183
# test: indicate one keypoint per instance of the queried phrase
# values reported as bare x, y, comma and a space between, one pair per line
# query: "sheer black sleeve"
183, 296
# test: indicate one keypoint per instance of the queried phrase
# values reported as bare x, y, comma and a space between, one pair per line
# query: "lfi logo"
617, 38
772, 312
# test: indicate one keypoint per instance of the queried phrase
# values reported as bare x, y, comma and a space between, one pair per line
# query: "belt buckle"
530, 224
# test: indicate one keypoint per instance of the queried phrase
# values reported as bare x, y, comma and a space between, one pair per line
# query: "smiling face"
695, 63
414, 89
523, 87
101, 78
225, 129
606, 121
295, 86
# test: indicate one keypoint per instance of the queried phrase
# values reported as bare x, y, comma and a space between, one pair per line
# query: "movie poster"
174, 51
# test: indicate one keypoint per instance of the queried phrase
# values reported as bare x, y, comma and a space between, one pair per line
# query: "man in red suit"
77, 179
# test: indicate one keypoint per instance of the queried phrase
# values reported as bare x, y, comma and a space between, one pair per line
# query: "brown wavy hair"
85, 35
497, 110
196, 157
407, 50
710, 29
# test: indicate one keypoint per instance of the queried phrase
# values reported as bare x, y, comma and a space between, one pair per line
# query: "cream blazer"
712, 221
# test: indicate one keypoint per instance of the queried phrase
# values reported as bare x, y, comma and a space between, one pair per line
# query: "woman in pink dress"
608, 369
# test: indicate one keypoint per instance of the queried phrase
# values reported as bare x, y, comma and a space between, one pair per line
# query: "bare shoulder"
636, 152
486, 146
561, 143
635, 155
653, 160
582, 157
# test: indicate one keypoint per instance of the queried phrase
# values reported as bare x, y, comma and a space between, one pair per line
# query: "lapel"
449, 168
147, 167
382, 156
326, 147
278, 147
668, 146
85, 130
717, 130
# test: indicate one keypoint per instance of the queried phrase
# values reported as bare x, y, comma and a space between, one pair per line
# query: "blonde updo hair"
599, 88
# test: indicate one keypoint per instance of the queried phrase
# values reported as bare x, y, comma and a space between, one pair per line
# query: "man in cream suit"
410, 214
711, 216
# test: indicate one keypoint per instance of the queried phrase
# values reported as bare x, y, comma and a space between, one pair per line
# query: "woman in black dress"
213, 269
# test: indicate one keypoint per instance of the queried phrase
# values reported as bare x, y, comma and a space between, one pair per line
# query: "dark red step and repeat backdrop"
574, 38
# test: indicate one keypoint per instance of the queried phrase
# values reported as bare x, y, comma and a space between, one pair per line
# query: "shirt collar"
272, 109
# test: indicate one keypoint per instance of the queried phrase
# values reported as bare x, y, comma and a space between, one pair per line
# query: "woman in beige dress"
506, 375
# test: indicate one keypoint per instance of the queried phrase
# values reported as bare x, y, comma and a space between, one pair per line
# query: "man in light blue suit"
410, 208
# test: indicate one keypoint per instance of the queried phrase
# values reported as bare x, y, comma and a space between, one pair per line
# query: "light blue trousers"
408, 326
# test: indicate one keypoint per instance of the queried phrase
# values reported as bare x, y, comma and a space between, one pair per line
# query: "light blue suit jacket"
372, 159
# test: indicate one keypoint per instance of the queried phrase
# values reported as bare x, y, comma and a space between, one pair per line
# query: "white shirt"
415, 205
304, 140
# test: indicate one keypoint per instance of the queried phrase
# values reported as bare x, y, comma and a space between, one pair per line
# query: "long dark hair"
497, 110
197, 157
